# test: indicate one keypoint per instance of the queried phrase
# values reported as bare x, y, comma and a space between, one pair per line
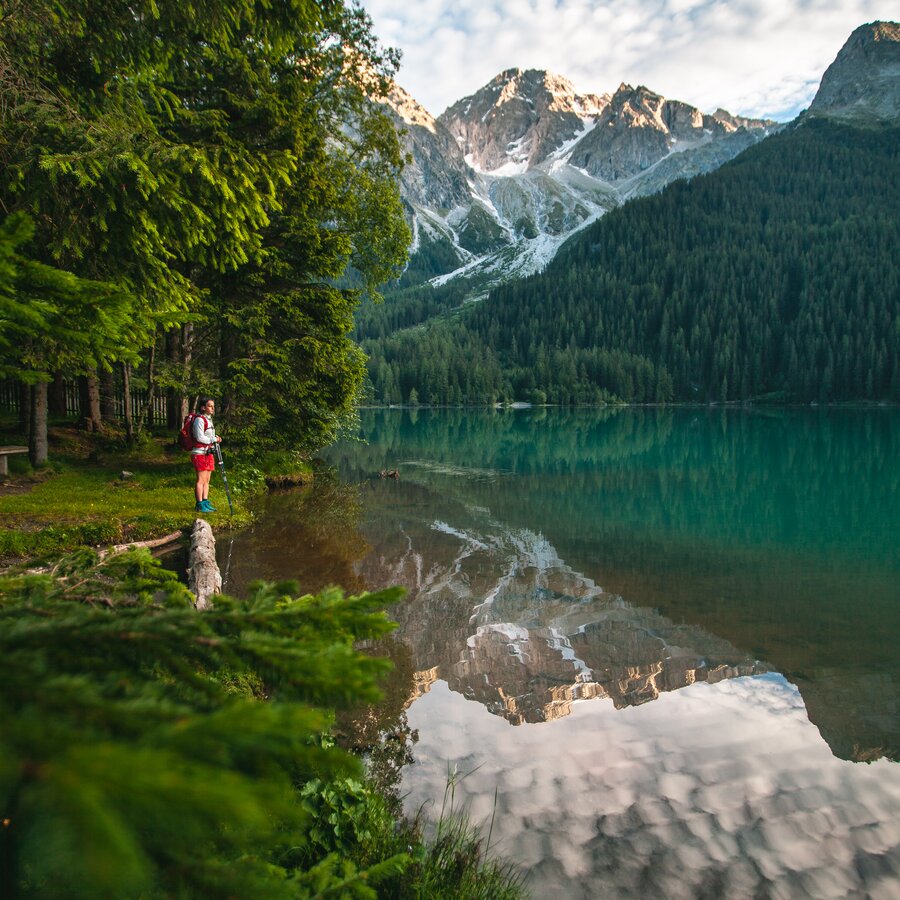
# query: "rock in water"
204, 578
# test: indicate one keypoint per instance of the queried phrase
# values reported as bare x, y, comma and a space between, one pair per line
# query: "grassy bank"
83, 498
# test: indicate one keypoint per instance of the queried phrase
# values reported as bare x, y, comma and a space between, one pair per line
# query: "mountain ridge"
863, 83
499, 180
504, 176
773, 279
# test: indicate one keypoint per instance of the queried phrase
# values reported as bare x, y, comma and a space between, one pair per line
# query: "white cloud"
752, 57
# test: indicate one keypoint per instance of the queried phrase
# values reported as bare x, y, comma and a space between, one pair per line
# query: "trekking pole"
218, 451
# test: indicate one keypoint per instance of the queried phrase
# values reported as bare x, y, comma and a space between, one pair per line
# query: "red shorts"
203, 462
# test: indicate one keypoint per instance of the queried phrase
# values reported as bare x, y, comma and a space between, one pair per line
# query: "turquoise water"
661, 645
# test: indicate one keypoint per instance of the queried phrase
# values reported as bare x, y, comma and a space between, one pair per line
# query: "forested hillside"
774, 277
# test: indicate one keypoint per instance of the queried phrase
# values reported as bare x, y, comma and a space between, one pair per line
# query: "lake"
654, 651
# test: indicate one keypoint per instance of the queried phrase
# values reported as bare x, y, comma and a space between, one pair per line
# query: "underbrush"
448, 860
153, 750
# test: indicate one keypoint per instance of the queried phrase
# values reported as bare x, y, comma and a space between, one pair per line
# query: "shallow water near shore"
655, 649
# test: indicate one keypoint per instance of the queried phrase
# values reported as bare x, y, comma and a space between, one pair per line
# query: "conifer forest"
772, 279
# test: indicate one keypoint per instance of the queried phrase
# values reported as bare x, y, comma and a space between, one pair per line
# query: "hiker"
204, 434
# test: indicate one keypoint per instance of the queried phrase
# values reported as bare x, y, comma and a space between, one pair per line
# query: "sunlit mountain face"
500, 617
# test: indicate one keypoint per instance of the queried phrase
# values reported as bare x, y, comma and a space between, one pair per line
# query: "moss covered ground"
82, 498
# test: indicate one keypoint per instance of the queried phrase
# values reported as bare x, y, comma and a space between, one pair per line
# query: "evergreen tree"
151, 750
220, 162
773, 278
52, 320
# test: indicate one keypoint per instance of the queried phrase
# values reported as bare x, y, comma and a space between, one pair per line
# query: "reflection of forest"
818, 479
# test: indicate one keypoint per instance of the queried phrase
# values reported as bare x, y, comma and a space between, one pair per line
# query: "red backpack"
186, 435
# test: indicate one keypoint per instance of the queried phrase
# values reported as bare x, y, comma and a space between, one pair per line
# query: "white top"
203, 431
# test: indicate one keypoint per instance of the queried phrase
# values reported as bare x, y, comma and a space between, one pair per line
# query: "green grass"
80, 499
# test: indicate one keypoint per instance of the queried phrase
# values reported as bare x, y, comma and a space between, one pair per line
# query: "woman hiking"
205, 438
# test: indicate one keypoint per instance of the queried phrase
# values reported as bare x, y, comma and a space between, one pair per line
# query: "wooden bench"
8, 451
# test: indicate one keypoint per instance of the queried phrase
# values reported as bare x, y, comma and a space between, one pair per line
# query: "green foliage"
435, 255
129, 765
50, 319
480, 232
457, 863
772, 278
406, 308
349, 818
292, 373
220, 162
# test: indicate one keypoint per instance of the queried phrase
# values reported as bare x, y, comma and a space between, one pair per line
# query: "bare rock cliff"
863, 82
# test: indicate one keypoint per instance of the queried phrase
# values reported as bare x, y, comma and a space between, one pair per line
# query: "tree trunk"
37, 440
204, 578
146, 413
57, 399
25, 409
173, 400
90, 403
228, 350
107, 396
187, 352
178, 355
126, 384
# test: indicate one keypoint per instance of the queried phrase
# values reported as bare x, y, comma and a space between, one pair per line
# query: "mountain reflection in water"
739, 569
504, 621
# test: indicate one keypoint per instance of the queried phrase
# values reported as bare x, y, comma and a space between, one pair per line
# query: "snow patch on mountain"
501, 179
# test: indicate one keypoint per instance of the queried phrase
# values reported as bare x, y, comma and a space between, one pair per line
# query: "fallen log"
204, 578
107, 552
149, 545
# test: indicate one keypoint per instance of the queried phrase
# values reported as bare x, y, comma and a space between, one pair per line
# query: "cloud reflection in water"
713, 790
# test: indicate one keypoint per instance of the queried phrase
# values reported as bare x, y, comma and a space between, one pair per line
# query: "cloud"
752, 57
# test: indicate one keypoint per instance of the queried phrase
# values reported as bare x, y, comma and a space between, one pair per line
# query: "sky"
751, 57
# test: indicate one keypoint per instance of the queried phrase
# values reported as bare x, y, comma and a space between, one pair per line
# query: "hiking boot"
199, 507
208, 507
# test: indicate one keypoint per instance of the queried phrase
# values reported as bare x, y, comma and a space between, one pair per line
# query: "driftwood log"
107, 552
116, 549
204, 578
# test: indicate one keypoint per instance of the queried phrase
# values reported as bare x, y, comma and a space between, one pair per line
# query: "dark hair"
202, 402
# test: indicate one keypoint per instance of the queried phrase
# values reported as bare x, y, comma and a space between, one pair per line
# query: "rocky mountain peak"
863, 82
409, 110
436, 175
499, 180
519, 118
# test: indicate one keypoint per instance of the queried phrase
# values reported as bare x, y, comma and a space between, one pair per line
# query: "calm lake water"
661, 648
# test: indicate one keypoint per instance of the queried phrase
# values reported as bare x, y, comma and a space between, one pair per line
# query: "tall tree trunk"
107, 396
146, 414
126, 384
37, 439
25, 409
228, 350
173, 397
90, 403
56, 402
187, 352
